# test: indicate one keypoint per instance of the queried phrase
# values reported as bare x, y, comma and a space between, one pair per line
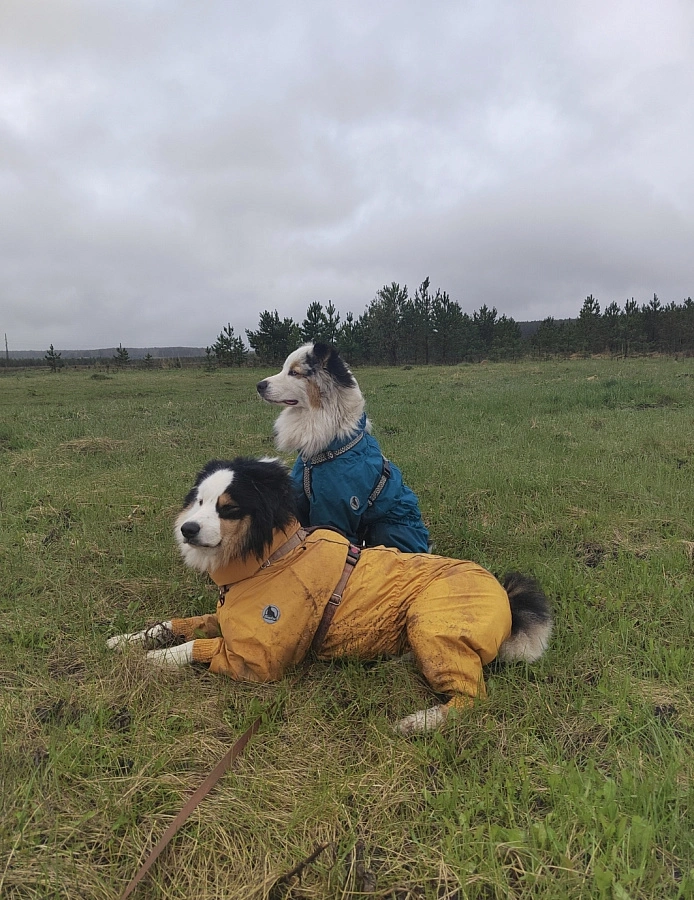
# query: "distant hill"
110, 352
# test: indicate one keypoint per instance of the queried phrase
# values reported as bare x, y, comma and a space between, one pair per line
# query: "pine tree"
229, 349
422, 308
332, 323
485, 323
54, 359
314, 328
121, 357
275, 338
382, 322
589, 326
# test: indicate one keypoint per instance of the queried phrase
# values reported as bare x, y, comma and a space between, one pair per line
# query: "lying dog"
341, 478
285, 591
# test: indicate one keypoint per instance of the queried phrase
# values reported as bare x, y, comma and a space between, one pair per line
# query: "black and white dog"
341, 477
286, 591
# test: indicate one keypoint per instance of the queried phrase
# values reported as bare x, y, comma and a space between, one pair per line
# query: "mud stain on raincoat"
453, 614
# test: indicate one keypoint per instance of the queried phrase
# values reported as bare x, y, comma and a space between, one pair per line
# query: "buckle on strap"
353, 554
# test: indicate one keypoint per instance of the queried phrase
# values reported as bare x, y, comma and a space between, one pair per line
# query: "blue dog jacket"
354, 488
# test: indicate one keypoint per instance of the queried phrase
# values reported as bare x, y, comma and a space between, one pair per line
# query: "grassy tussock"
574, 779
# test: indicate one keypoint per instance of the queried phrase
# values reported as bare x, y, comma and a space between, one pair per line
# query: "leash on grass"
203, 790
240, 745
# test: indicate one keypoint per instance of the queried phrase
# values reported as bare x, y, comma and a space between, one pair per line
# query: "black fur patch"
262, 491
529, 606
333, 363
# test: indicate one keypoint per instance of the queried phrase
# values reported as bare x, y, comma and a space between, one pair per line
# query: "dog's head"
306, 378
233, 510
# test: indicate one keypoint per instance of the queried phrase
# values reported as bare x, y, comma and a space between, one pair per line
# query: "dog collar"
331, 454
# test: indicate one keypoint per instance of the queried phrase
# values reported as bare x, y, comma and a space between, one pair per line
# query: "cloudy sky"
167, 167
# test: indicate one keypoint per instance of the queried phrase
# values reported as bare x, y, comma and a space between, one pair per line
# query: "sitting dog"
286, 591
341, 478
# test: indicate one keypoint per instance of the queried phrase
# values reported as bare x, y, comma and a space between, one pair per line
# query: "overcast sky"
168, 167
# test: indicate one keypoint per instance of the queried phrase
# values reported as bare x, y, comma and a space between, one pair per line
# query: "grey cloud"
168, 167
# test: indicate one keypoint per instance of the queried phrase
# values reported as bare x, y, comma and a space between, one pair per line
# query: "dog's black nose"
261, 387
189, 530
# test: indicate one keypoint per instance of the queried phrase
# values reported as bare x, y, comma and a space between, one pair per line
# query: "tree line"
649, 328
430, 328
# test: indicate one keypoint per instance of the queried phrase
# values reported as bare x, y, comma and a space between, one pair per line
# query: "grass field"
574, 779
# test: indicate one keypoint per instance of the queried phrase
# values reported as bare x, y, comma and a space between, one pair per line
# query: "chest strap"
373, 496
325, 456
353, 554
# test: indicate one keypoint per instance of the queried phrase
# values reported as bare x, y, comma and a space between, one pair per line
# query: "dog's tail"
531, 619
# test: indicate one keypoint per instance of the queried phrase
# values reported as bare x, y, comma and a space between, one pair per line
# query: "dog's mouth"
278, 402
190, 535
192, 542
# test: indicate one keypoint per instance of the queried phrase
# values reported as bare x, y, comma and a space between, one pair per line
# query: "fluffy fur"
236, 508
321, 399
340, 477
232, 510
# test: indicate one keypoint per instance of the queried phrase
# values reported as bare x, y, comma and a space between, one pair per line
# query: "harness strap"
353, 554
375, 493
331, 454
326, 456
297, 538
381, 483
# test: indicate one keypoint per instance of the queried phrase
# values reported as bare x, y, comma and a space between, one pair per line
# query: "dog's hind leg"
421, 721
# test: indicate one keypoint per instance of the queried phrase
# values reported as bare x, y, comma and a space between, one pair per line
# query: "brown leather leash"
225, 762
240, 745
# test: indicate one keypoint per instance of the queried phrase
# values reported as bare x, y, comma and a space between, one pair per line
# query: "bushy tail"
531, 619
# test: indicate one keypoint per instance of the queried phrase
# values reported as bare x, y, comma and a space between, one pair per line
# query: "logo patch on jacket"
271, 614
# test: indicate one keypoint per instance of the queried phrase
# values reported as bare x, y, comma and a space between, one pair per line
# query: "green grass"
574, 779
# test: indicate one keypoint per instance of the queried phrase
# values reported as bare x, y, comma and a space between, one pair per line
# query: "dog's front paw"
172, 657
423, 720
154, 636
119, 641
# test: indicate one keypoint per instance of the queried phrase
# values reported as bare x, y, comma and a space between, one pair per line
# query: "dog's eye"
229, 511
294, 374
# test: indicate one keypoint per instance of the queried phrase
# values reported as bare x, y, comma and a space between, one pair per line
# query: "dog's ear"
321, 353
327, 357
338, 369
273, 501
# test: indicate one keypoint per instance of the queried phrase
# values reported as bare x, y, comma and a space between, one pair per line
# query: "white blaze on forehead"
298, 356
214, 486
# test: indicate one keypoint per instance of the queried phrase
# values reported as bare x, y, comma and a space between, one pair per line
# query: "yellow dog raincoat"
453, 615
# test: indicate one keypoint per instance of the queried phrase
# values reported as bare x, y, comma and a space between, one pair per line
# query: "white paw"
423, 720
150, 637
172, 657
118, 641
